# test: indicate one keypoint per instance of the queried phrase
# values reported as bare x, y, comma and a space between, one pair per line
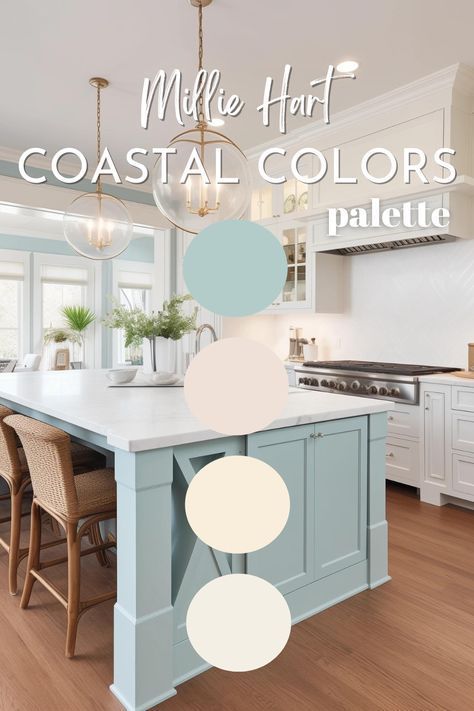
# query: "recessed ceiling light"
348, 66
216, 122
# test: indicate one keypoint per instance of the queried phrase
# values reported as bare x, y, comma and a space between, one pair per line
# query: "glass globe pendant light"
197, 203
97, 225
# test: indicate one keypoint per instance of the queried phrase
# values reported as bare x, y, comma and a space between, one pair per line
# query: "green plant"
78, 318
61, 335
171, 322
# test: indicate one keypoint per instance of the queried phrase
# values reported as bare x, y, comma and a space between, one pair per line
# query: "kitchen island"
329, 450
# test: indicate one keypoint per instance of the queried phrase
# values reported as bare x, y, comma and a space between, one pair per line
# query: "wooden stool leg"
15, 531
97, 540
73, 586
34, 554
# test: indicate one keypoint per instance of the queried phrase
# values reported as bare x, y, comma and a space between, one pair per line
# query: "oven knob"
314, 382
332, 384
342, 385
355, 385
395, 392
324, 383
373, 390
300, 381
383, 390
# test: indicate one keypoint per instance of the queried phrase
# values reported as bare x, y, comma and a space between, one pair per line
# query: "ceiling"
52, 48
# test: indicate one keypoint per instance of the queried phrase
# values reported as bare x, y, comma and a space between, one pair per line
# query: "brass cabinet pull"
390, 454
316, 435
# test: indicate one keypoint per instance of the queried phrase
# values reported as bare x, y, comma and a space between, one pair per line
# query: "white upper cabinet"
288, 200
314, 281
297, 291
424, 132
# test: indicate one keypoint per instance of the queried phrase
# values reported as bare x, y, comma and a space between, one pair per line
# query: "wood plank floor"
408, 645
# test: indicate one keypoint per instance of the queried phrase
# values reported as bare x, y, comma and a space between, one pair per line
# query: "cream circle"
237, 504
236, 386
238, 622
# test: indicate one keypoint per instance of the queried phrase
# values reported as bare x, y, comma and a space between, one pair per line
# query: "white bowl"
119, 376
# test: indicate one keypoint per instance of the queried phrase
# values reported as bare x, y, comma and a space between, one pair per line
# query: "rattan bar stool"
14, 471
76, 502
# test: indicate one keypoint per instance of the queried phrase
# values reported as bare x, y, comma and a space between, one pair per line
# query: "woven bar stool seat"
14, 471
96, 491
78, 503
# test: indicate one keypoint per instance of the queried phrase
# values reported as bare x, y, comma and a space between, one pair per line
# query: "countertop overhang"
139, 419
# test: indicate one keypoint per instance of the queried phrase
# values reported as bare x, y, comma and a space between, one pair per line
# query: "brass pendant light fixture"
97, 225
198, 202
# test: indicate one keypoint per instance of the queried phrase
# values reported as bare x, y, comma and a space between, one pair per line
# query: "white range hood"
361, 240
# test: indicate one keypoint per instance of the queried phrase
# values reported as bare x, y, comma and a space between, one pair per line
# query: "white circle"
237, 504
238, 622
348, 66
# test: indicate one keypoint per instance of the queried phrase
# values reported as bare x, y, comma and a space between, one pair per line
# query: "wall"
412, 305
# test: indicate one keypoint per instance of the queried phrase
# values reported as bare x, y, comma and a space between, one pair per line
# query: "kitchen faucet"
204, 327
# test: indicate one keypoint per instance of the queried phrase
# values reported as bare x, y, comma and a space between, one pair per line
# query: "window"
63, 281
13, 304
61, 286
133, 289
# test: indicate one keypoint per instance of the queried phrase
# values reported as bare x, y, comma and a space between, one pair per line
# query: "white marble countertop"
137, 419
447, 379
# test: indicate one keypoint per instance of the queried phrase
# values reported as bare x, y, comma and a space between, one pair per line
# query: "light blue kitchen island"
329, 449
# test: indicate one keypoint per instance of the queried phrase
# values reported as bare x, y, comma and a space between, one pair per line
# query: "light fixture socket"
204, 3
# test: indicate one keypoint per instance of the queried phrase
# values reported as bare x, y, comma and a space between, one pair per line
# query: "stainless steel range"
385, 381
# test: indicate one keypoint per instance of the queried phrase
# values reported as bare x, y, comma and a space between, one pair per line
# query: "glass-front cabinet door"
297, 290
292, 198
261, 205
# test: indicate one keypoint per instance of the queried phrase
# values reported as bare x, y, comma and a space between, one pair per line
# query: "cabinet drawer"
462, 432
402, 461
404, 421
463, 474
462, 398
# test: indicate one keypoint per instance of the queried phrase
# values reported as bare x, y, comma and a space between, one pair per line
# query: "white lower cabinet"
402, 446
447, 457
462, 431
402, 460
463, 473
434, 440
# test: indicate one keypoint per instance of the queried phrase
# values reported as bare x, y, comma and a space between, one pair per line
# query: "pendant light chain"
200, 60
99, 182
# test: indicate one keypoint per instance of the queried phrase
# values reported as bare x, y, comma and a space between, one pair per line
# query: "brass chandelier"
98, 225
200, 201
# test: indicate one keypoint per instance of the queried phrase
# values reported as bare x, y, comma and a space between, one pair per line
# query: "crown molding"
459, 76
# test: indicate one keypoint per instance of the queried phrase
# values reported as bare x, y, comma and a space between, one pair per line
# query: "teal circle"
235, 268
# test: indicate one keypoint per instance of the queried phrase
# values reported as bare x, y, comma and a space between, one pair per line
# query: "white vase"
159, 355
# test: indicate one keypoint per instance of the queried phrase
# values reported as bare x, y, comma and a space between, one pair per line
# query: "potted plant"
59, 337
78, 319
160, 328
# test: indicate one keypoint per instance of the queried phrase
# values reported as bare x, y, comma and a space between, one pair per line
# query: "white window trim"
13, 255
93, 300
123, 265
